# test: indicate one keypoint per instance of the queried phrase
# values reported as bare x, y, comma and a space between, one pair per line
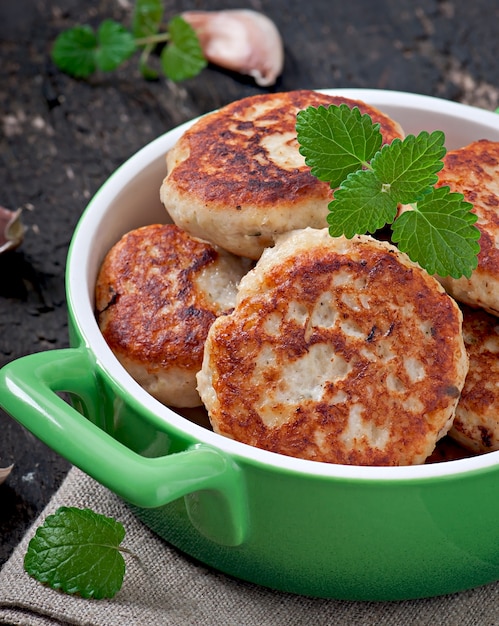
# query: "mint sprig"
80, 51
343, 147
78, 552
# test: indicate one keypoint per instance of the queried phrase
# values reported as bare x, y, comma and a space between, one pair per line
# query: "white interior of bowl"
130, 198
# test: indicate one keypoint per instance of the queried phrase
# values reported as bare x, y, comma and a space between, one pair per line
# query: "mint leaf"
146, 18
183, 58
439, 234
336, 141
362, 204
77, 551
79, 51
115, 45
410, 166
74, 51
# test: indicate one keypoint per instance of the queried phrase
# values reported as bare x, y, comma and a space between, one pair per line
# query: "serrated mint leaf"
115, 45
74, 51
410, 166
336, 141
361, 205
147, 16
440, 234
183, 58
79, 51
77, 551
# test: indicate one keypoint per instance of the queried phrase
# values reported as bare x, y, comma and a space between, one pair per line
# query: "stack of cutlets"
328, 349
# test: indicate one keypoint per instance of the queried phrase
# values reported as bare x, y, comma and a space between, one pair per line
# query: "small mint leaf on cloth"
78, 552
183, 58
361, 205
74, 51
336, 141
115, 45
439, 234
410, 166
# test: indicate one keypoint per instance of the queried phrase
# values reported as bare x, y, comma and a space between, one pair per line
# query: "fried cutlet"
338, 350
474, 172
237, 178
157, 293
476, 425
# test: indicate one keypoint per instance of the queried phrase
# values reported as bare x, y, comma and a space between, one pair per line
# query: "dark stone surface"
61, 138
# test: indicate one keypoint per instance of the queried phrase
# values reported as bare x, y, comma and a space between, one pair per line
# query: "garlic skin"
11, 229
4, 473
240, 40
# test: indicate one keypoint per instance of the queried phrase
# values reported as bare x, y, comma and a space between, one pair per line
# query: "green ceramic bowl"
360, 533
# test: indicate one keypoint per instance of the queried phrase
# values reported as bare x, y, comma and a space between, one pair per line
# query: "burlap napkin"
169, 589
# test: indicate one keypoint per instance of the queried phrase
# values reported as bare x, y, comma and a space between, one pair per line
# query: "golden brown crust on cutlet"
338, 350
476, 425
230, 164
154, 310
474, 172
145, 308
237, 178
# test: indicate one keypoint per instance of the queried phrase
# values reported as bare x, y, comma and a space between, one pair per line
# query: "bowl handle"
211, 480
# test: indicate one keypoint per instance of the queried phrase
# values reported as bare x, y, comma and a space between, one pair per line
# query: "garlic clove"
4, 473
11, 229
240, 40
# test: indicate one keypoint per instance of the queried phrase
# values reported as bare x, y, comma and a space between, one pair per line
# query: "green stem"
152, 39
127, 551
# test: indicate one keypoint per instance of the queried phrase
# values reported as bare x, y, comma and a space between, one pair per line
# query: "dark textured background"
61, 138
